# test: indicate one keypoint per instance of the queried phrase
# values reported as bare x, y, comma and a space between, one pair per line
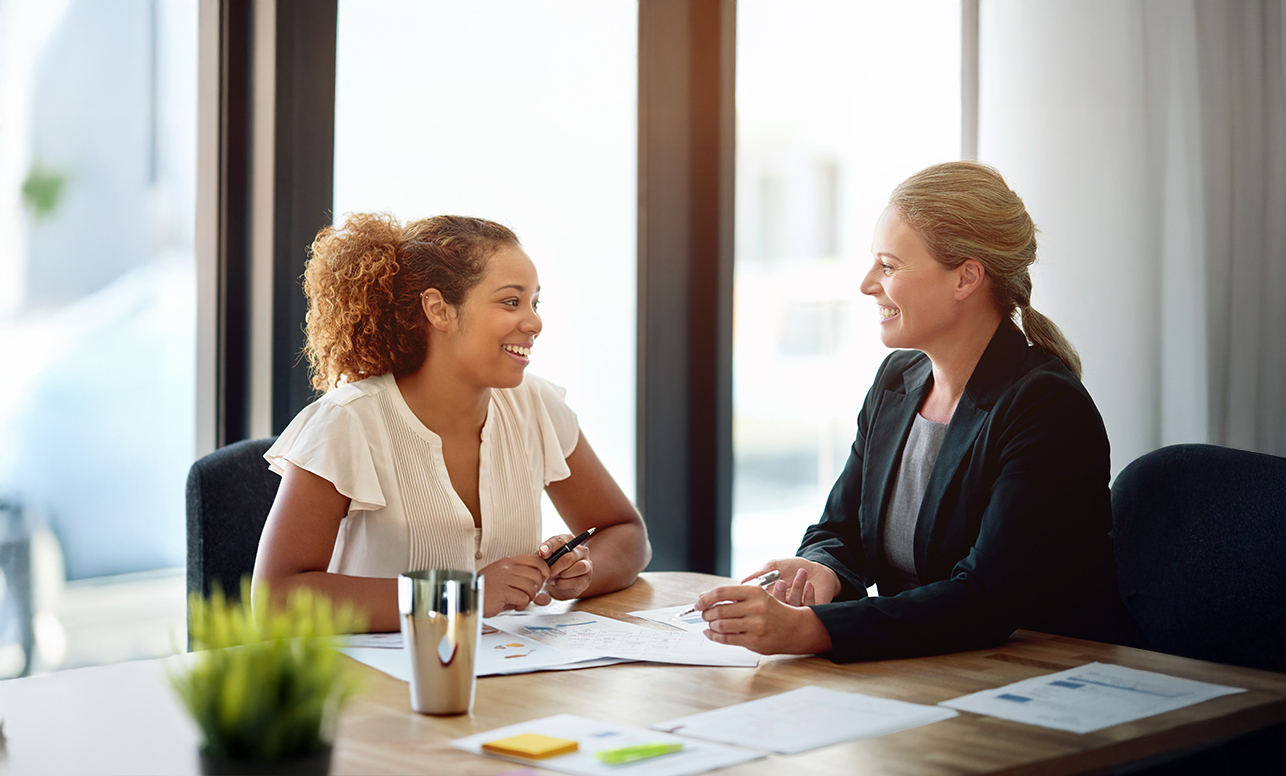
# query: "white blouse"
403, 514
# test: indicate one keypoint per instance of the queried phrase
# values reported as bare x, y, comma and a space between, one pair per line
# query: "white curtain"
1148, 138
1240, 101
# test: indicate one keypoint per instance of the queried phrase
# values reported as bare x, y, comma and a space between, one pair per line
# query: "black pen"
568, 547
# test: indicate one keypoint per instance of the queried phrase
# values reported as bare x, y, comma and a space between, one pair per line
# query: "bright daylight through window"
837, 102
523, 113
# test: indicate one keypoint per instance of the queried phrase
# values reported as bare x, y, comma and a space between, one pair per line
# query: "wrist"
815, 638
831, 580
826, 583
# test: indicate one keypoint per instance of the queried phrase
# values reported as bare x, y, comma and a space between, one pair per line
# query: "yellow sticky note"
531, 746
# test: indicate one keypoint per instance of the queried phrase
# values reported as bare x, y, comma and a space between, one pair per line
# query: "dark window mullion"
686, 64
303, 182
235, 74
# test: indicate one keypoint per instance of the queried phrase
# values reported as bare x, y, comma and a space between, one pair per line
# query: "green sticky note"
629, 754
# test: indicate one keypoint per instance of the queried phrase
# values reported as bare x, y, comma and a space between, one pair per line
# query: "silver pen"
762, 581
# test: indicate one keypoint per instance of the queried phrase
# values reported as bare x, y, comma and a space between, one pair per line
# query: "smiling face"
496, 326
916, 293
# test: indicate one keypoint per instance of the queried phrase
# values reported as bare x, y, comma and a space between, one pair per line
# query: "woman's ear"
970, 276
439, 313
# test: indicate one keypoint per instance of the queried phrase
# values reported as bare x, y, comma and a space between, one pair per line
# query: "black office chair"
229, 494
1200, 538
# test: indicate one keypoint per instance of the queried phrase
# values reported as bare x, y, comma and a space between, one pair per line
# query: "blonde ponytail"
1045, 334
965, 210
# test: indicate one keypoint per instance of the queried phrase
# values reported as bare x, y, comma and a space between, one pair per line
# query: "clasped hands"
519, 580
775, 620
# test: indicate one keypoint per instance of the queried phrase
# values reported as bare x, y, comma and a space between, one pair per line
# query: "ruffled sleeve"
329, 440
559, 427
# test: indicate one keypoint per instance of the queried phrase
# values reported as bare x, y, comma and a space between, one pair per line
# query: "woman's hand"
802, 583
514, 582
746, 616
571, 575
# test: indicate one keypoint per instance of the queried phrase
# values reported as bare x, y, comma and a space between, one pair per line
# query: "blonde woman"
432, 444
975, 496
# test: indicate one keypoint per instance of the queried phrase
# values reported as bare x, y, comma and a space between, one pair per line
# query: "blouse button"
477, 556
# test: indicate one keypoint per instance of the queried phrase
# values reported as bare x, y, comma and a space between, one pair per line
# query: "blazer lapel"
994, 372
967, 421
884, 451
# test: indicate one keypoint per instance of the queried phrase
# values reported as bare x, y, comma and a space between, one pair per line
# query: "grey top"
922, 446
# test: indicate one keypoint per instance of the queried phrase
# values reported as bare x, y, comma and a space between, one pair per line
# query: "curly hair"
364, 281
965, 210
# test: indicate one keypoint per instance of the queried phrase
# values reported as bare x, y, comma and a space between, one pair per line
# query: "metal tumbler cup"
441, 626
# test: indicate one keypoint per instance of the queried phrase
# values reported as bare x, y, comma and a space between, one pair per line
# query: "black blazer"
1013, 530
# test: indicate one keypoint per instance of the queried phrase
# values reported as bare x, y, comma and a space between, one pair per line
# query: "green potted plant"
266, 690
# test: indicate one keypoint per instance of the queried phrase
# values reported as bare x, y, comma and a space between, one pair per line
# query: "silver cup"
441, 626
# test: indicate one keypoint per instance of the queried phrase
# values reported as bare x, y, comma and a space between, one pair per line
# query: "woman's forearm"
618, 552
374, 598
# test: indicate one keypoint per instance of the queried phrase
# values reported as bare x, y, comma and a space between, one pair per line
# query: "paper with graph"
1085, 699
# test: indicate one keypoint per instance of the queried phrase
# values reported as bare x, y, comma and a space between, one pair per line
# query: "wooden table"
121, 719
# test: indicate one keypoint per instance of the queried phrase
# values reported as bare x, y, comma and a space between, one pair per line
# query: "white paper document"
1085, 699
669, 616
804, 719
372, 640
521, 642
592, 635
499, 653
393, 662
594, 736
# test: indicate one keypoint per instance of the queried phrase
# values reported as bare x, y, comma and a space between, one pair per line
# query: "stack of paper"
499, 653
520, 642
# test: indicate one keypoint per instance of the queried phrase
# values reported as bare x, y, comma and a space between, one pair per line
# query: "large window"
97, 307
524, 113
836, 103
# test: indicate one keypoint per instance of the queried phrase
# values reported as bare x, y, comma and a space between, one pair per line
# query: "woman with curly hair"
431, 445
975, 497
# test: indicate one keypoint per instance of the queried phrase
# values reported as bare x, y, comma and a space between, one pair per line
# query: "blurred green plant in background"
266, 687
42, 191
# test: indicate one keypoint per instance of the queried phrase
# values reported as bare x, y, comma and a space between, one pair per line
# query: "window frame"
266, 179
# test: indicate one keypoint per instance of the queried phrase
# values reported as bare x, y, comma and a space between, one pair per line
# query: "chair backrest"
1200, 536
229, 494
